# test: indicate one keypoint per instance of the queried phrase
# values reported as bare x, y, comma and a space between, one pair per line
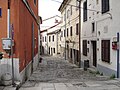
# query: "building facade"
20, 16
50, 40
100, 26
44, 42
70, 30
54, 42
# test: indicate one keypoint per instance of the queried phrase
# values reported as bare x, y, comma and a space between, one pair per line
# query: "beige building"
70, 30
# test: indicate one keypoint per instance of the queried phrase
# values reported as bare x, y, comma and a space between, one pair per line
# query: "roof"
54, 32
51, 27
62, 5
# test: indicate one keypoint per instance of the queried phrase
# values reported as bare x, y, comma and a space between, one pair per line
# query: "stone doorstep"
37, 88
104, 87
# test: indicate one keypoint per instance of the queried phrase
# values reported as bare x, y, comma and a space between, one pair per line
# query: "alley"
55, 73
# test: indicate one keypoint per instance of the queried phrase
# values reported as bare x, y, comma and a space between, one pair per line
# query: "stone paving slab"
2, 87
105, 87
9, 88
60, 86
58, 74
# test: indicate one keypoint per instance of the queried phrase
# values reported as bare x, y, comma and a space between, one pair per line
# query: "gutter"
118, 55
30, 10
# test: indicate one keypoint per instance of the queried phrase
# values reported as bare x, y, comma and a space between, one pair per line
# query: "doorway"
94, 46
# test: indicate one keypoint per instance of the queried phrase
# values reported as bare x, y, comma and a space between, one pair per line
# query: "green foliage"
97, 72
112, 76
101, 74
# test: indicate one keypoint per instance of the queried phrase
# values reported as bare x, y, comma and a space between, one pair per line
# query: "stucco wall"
106, 27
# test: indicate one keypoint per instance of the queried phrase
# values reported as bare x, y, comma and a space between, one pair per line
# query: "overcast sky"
48, 8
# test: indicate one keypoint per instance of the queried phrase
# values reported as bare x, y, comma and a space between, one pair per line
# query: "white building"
50, 40
100, 25
54, 42
48, 25
44, 44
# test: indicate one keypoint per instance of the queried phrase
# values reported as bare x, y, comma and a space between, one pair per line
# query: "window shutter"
85, 47
85, 11
67, 31
77, 30
0, 12
107, 5
71, 31
105, 50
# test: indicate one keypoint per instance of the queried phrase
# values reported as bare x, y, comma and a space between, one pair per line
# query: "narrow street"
54, 73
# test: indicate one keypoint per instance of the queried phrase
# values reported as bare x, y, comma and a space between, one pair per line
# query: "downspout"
79, 33
8, 20
9, 35
65, 33
57, 41
118, 55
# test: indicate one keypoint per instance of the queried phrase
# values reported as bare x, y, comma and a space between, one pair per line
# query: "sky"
48, 8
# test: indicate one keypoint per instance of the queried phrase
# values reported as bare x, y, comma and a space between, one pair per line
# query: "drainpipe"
10, 35
8, 20
117, 55
65, 33
79, 33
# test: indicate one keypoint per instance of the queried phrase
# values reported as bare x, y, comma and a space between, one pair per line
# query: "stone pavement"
55, 73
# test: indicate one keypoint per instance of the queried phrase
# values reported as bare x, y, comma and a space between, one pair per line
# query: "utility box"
6, 43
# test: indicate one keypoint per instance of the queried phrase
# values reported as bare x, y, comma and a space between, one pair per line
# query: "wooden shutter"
0, 12
85, 47
105, 52
77, 30
71, 31
85, 11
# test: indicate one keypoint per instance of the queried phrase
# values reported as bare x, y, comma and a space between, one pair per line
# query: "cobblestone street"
54, 73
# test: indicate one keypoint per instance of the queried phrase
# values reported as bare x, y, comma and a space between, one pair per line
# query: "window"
105, 50
45, 38
97, 1
77, 29
67, 32
60, 38
93, 27
53, 50
64, 17
85, 47
49, 38
49, 50
68, 13
0, 12
77, 55
53, 38
61, 33
64, 33
77, 4
71, 53
71, 10
71, 31
35, 2
105, 6
85, 11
